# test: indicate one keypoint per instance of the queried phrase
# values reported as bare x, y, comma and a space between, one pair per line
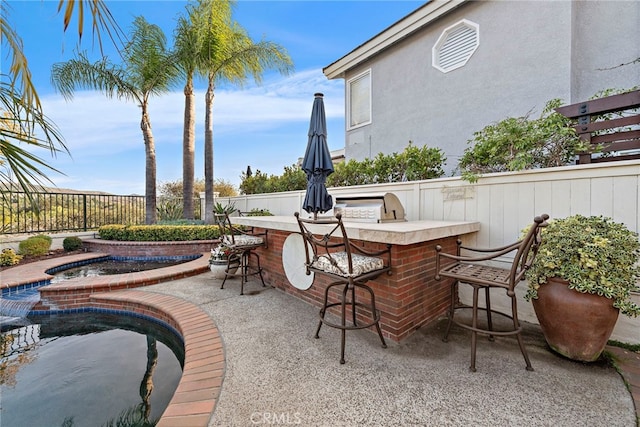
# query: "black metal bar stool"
331, 253
473, 271
242, 245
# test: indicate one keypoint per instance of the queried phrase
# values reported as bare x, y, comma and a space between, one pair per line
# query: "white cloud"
90, 120
264, 126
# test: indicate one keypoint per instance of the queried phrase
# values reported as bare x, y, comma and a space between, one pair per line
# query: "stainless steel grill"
372, 207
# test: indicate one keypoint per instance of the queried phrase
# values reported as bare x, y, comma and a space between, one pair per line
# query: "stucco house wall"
529, 52
606, 35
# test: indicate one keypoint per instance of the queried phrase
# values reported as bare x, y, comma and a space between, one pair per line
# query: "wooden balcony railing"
610, 125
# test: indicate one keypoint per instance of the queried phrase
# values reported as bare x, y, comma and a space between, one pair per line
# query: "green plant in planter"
219, 254
594, 254
221, 209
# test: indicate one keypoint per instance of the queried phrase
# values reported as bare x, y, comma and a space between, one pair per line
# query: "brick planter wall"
148, 249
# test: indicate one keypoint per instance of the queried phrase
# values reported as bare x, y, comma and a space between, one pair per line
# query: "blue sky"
263, 126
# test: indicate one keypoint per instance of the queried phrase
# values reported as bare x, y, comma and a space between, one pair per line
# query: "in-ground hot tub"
112, 265
76, 292
105, 382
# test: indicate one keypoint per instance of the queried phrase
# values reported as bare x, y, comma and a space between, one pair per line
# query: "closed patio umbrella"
317, 162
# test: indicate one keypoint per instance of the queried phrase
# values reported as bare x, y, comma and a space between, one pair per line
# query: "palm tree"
186, 47
147, 70
229, 55
22, 119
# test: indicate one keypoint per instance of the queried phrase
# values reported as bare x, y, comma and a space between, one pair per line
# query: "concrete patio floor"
277, 373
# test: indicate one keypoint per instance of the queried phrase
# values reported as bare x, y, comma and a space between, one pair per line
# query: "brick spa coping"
199, 388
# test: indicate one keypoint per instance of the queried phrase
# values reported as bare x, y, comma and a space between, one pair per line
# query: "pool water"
113, 266
88, 369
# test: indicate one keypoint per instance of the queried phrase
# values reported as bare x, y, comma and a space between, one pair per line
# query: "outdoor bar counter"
407, 298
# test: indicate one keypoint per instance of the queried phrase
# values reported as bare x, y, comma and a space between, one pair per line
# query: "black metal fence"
46, 212
49, 212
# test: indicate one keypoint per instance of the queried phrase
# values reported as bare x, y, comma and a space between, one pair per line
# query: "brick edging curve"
197, 393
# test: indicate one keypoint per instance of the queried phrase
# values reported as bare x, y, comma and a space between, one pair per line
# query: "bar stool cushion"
349, 266
338, 264
242, 240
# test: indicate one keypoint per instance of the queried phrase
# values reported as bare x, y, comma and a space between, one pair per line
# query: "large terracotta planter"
575, 325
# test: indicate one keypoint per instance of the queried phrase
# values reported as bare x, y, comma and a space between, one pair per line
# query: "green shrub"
518, 143
180, 221
34, 246
258, 212
113, 232
413, 164
169, 210
71, 243
44, 236
159, 233
9, 257
220, 209
594, 254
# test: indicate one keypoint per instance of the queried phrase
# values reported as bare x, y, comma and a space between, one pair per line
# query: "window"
456, 45
359, 100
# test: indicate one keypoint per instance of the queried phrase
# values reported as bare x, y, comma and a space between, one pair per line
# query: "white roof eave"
398, 31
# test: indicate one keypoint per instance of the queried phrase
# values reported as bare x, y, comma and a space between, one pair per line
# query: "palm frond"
186, 45
227, 51
101, 75
149, 65
23, 125
241, 58
101, 20
19, 76
39, 133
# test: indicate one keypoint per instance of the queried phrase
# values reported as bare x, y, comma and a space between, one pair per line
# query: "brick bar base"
407, 299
